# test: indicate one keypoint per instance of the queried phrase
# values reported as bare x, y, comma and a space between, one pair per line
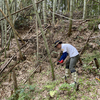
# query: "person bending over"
71, 51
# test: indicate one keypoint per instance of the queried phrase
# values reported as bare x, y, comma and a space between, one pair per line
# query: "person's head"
58, 44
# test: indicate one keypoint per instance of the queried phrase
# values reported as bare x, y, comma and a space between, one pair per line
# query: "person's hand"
57, 63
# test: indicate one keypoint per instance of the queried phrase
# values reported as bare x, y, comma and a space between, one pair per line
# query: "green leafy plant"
25, 93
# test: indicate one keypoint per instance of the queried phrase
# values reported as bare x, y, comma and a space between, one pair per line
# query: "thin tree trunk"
45, 41
84, 10
71, 16
44, 12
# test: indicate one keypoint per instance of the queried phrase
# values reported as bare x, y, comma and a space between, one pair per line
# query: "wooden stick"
21, 10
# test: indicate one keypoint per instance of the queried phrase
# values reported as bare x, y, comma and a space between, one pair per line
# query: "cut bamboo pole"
96, 63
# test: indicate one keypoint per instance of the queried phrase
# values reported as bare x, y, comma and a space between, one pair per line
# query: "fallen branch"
64, 16
11, 24
85, 47
6, 64
37, 66
8, 72
31, 74
96, 1
90, 63
95, 37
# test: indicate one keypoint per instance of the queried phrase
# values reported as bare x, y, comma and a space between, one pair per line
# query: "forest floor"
40, 84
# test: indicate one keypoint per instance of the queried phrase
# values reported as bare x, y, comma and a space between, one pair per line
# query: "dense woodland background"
28, 30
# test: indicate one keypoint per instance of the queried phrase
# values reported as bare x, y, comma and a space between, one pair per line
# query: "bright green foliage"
64, 86
52, 93
50, 87
25, 93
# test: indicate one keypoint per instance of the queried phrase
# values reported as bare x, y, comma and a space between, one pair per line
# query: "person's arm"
62, 58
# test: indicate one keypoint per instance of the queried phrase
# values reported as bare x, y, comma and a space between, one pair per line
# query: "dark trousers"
71, 63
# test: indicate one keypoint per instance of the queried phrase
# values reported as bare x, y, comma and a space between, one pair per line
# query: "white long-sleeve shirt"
71, 50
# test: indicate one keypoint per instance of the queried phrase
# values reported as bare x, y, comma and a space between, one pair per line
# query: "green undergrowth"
59, 90
87, 57
64, 91
25, 93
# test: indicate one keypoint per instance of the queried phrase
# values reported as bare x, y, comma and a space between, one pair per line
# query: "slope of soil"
40, 84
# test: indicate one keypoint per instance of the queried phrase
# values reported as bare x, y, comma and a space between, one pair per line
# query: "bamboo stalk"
54, 9
2, 27
21, 10
11, 25
15, 32
84, 11
5, 28
15, 85
59, 2
71, 16
44, 38
44, 12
